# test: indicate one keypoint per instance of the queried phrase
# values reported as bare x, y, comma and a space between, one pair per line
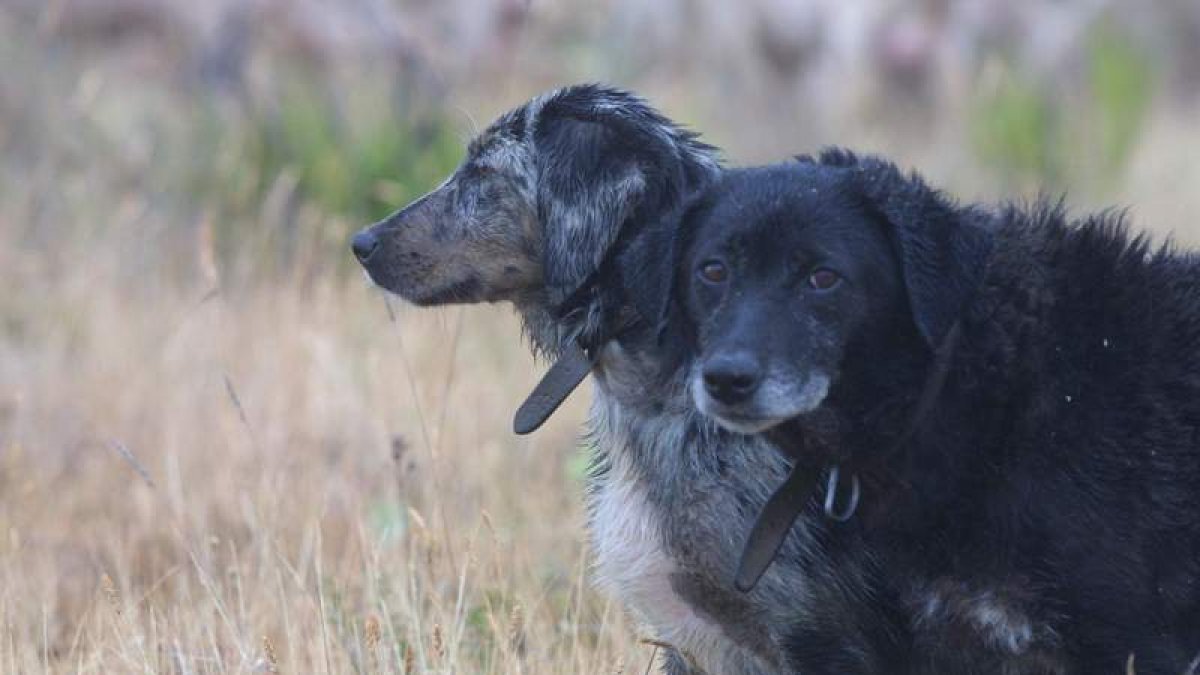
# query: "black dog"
1040, 511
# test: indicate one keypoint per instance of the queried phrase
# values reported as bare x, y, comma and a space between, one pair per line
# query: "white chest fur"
633, 565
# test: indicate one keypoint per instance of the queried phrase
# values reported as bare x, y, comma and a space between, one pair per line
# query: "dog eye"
823, 279
714, 272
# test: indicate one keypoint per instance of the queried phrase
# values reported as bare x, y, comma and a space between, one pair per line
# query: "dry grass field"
283, 479
213, 460
222, 451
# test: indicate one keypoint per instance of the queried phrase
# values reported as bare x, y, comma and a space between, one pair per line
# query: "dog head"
537, 203
791, 274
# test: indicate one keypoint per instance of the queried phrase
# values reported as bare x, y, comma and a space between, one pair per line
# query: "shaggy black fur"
1045, 516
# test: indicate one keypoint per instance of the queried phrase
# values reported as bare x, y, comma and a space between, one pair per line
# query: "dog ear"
651, 270
943, 248
597, 172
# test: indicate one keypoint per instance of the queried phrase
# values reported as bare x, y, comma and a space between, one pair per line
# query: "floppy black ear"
943, 248
651, 268
597, 173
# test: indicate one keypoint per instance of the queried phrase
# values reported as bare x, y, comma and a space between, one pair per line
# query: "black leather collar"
572, 366
579, 356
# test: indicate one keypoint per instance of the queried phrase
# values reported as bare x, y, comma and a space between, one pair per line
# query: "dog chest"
633, 565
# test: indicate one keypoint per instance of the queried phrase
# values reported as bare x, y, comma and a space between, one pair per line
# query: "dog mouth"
419, 280
464, 291
468, 290
775, 402
742, 424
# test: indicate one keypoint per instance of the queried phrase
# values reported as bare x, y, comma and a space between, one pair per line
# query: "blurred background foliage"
283, 125
1030, 133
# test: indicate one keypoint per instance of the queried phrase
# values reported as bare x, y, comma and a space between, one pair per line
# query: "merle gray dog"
559, 209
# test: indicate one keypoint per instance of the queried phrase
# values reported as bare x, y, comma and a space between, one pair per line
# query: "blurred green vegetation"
1033, 134
347, 158
361, 164
1121, 79
273, 164
1013, 128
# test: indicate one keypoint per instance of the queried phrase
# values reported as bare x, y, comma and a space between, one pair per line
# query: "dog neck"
821, 451
572, 334
574, 330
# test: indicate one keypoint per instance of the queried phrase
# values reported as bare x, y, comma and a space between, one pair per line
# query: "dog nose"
364, 244
732, 378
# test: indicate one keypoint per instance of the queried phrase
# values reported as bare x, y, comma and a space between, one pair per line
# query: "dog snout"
732, 377
364, 244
